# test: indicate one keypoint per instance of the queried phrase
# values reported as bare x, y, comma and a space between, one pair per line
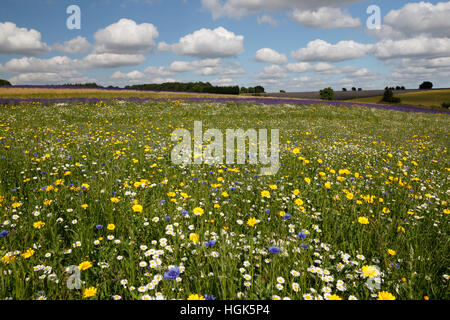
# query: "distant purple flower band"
269, 101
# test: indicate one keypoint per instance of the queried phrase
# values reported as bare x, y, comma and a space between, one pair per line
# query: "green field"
358, 210
428, 99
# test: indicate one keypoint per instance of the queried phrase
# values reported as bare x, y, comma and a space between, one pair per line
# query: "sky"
292, 45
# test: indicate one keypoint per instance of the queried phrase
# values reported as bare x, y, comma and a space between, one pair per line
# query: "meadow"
425, 99
358, 210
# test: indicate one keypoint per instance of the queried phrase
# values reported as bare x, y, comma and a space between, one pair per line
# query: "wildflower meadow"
92, 207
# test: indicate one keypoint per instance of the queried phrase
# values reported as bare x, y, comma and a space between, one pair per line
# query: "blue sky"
295, 45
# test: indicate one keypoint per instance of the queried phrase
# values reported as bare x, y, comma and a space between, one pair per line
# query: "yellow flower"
28, 253
89, 292
114, 200
363, 220
196, 297
327, 185
16, 205
193, 237
265, 194
349, 196
111, 226
386, 210
447, 211
198, 211
48, 202
384, 295
392, 252
252, 222
273, 187
184, 195
216, 206
299, 202
334, 297
225, 194
38, 225
137, 208
8, 259
296, 151
84, 206
370, 271
296, 192
308, 180
85, 265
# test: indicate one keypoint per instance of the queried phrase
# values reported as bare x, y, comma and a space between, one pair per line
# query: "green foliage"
426, 85
446, 105
4, 82
86, 85
327, 94
388, 96
200, 87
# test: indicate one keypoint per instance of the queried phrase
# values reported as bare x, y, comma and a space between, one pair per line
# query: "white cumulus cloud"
111, 60
76, 45
320, 50
207, 43
325, 18
126, 37
271, 56
239, 8
15, 40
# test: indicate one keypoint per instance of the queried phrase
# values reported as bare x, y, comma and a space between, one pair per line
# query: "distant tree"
359, 89
397, 88
327, 94
446, 105
259, 89
353, 89
4, 82
244, 90
402, 88
389, 97
282, 91
426, 85
344, 89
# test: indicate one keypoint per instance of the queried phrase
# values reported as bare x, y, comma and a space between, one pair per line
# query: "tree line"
200, 87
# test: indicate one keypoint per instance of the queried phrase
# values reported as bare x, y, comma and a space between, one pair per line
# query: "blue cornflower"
302, 235
4, 233
267, 211
167, 218
184, 212
274, 250
304, 246
99, 227
172, 274
208, 297
287, 216
210, 244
